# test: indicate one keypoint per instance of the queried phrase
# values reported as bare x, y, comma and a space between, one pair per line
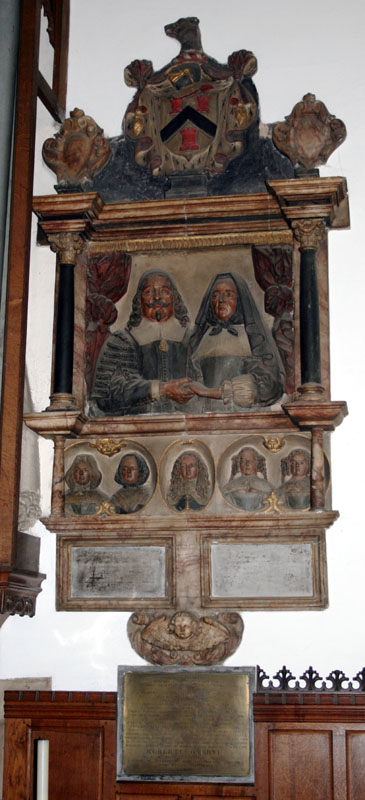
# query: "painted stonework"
78, 151
185, 638
309, 134
192, 114
184, 351
192, 407
83, 477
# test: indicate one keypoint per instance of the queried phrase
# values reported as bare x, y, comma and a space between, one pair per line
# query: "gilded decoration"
108, 447
273, 443
192, 115
193, 242
78, 151
185, 638
271, 503
309, 134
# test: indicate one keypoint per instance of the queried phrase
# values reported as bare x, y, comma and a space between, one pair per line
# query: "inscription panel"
115, 573
277, 571
185, 724
118, 571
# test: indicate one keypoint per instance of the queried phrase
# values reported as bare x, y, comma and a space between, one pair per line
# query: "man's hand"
178, 390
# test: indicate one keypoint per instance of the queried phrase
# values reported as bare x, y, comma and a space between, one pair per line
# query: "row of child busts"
248, 477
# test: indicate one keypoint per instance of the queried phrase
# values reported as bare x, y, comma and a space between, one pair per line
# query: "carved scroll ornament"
184, 638
78, 151
309, 134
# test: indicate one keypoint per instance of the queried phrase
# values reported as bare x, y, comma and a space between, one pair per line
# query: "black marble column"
63, 360
310, 345
67, 246
309, 233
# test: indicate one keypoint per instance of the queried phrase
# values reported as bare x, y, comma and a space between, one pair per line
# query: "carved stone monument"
190, 401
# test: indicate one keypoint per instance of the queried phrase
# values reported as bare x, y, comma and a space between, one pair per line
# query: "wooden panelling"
75, 763
308, 746
17, 763
301, 765
355, 746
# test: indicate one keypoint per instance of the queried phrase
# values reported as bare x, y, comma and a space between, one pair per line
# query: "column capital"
67, 246
309, 233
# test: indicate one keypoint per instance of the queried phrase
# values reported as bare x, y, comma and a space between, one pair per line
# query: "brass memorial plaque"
185, 724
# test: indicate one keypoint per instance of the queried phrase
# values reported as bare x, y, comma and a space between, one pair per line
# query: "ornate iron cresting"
310, 681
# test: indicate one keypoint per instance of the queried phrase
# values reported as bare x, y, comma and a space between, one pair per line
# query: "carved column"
318, 487
58, 490
309, 233
67, 246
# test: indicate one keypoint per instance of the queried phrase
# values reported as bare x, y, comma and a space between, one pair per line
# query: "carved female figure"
296, 491
246, 489
235, 356
83, 477
132, 473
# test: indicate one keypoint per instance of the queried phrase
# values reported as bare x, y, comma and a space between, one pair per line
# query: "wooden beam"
17, 288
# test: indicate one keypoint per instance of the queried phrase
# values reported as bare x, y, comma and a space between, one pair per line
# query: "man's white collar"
150, 331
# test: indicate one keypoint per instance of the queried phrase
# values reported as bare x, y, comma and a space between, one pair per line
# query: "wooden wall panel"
301, 765
75, 763
17, 764
355, 746
308, 746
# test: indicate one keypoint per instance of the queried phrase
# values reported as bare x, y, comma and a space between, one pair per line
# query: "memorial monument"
190, 406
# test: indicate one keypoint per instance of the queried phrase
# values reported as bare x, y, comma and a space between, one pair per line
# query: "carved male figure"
190, 487
132, 473
246, 489
146, 367
237, 358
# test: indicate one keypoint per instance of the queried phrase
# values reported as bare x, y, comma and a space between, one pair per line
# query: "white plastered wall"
300, 47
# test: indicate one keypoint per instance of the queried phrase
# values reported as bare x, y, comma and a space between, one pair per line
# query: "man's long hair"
180, 310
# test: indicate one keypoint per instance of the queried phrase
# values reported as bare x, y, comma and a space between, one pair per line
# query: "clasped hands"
241, 388
183, 389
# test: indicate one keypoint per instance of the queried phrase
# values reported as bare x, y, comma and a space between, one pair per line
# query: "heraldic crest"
192, 114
